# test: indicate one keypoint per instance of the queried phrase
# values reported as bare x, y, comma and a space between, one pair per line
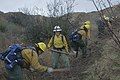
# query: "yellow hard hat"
42, 46
106, 18
87, 26
87, 22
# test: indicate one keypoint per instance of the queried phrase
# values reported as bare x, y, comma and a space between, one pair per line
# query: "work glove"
49, 70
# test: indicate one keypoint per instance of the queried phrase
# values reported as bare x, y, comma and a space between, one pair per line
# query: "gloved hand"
49, 70
67, 51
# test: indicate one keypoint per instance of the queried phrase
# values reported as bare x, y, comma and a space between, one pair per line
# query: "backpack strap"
53, 39
62, 38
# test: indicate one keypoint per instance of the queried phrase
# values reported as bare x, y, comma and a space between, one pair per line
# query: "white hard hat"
57, 29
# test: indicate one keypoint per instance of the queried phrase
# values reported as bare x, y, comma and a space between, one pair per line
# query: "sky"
14, 5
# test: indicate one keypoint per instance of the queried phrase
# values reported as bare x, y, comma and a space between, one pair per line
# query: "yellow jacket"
31, 59
58, 43
82, 32
88, 27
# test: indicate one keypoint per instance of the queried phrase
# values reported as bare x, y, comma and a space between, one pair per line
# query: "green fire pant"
56, 57
15, 74
80, 44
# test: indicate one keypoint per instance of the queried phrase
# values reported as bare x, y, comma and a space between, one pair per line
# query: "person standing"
59, 44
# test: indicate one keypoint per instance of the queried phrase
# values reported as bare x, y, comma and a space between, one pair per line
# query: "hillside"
103, 62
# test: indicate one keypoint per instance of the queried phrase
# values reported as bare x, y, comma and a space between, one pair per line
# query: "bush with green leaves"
43, 30
3, 27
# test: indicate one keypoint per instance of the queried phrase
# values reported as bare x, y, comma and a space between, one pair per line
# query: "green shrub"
3, 27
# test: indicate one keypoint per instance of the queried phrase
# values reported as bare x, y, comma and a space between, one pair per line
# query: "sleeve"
50, 42
65, 43
36, 65
82, 32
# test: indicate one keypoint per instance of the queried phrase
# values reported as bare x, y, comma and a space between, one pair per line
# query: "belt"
60, 49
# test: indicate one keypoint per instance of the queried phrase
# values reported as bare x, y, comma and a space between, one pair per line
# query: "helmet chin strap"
39, 51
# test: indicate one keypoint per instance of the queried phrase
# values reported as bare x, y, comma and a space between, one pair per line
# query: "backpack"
75, 37
12, 56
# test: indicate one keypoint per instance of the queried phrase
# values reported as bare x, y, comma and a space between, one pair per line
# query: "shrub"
3, 27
